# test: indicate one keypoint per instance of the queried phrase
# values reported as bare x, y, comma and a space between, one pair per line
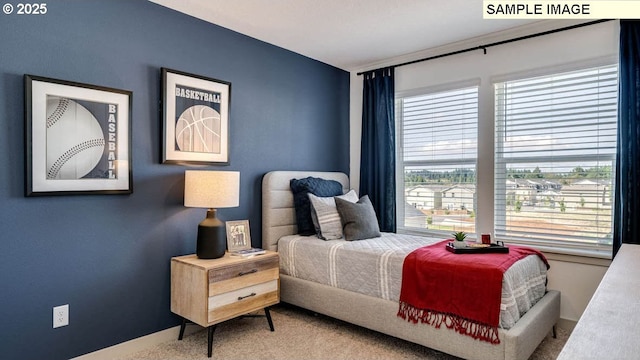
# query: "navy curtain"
378, 146
627, 185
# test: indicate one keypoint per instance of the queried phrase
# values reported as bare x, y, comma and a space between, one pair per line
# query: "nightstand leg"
184, 324
268, 314
211, 329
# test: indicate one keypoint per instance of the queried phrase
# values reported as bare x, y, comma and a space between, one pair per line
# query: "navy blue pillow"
301, 188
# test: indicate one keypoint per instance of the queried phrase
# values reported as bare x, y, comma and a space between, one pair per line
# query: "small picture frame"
195, 119
238, 237
77, 138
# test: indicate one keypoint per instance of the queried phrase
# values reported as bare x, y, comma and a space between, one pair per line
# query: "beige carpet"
300, 334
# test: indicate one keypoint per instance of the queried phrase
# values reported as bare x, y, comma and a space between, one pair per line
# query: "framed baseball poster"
77, 138
195, 118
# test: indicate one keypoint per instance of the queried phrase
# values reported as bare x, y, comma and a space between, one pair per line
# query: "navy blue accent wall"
108, 256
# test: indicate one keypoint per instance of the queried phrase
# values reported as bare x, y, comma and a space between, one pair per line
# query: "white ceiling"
348, 34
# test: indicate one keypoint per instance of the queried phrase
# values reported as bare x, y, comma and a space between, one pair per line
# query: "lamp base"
212, 237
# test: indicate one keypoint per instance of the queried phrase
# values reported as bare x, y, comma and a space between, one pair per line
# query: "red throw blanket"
462, 291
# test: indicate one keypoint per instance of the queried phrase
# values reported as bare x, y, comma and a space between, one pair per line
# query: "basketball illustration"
75, 141
198, 130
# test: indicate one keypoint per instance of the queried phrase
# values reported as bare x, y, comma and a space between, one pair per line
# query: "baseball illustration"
75, 141
198, 130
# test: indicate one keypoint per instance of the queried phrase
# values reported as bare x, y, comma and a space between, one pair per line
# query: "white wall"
576, 278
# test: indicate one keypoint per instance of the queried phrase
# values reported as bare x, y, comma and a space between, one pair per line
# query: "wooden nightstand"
208, 292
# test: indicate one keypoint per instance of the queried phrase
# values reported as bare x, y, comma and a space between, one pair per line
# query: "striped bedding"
374, 267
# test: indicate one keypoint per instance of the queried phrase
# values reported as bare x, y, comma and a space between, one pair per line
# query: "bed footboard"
525, 336
380, 315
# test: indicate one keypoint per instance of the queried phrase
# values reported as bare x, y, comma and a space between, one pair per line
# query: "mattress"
373, 267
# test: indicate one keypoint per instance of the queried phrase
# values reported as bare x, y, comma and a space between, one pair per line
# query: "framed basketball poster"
195, 118
77, 138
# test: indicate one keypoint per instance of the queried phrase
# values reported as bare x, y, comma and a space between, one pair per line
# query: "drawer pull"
244, 297
247, 272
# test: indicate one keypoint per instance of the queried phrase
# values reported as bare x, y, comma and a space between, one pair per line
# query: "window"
555, 146
437, 153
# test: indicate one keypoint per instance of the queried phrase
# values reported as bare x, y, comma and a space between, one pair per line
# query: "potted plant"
459, 239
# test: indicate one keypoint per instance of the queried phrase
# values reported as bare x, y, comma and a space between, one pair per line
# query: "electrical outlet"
60, 316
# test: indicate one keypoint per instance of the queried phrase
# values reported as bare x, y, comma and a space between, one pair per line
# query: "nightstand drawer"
243, 274
233, 303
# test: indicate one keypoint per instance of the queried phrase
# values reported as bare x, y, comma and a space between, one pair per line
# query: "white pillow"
325, 215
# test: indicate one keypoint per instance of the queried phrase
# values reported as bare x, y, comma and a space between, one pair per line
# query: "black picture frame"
77, 138
195, 119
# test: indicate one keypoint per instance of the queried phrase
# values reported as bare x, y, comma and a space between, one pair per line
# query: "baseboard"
132, 346
566, 324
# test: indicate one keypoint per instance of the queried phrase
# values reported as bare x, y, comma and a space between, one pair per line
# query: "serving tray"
492, 248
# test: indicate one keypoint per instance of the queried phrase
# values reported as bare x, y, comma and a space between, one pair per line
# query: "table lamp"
211, 190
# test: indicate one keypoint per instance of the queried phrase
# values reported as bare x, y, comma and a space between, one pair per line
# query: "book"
247, 252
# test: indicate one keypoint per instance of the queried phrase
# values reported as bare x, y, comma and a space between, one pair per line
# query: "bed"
379, 311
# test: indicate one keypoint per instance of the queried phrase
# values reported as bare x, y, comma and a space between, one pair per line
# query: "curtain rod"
484, 47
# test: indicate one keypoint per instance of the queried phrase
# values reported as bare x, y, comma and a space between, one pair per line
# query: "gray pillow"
358, 219
325, 215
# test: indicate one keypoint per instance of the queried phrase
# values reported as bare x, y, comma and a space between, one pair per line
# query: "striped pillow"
325, 215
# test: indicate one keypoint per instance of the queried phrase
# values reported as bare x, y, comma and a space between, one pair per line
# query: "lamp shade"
211, 189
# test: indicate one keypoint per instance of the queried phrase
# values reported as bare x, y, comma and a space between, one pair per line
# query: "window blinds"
440, 127
439, 150
555, 145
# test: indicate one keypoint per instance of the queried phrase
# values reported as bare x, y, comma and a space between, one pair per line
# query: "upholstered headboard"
278, 212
